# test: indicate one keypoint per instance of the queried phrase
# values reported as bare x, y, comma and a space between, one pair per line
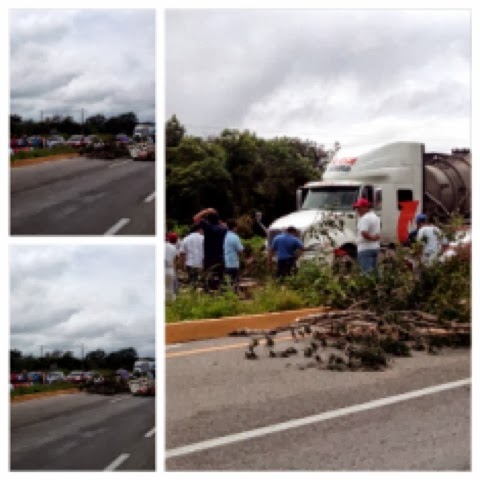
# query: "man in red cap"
368, 236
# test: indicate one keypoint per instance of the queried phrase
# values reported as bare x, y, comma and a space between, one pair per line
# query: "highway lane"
83, 432
213, 393
82, 196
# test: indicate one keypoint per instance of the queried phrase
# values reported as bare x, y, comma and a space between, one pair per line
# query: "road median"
33, 396
192, 330
51, 158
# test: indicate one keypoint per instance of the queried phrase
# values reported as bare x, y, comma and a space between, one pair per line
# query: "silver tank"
448, 184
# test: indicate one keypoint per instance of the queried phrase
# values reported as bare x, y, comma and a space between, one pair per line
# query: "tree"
174, 132
96, 359
95, 124
124, 358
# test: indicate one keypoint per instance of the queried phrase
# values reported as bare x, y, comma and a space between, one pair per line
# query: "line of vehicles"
141, 140
141, 381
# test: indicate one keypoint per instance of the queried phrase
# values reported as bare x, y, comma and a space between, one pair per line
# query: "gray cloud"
64, 60
101, 297
321, 74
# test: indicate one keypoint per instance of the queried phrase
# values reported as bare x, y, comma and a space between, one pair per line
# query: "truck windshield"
330, 198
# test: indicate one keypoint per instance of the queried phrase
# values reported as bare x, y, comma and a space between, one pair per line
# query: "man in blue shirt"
232, 247
287, 248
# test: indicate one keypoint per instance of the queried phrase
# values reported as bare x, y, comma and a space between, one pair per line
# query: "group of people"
212, 249
426, 234
208, 253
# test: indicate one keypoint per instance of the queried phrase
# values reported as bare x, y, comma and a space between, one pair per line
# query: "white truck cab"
398, 179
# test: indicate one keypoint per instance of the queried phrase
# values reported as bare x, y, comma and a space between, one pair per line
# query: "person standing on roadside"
287, 247
214, 235
232, 248
171, 254
191, 254
431, 239
368, 236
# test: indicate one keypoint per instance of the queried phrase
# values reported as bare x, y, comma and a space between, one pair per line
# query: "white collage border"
7, 240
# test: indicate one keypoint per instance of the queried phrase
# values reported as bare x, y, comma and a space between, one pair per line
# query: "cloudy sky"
66, 296
64, 60
357, 76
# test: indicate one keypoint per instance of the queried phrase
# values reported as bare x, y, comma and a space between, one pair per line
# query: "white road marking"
118, 164
150, 433
150, 198
118, 399
117, 462
117, 227
174, 345
300, 422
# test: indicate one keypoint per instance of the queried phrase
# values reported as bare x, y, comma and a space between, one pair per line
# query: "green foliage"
41, 152
243, 173
96, 124
193, 305
39, 388
66, 361
174, 132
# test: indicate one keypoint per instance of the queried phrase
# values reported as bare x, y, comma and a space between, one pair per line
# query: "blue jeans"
367, 260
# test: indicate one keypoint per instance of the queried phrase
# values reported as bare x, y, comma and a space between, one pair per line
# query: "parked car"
76, 376
55, 141
122, 138
76, 141
35, 377
55, 377
89, 375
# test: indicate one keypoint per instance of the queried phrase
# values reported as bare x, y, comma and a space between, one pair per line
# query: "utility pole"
83, 118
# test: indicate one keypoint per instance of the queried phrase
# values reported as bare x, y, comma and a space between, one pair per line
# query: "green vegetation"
66, 126
41, 152
39, 388
398, 288
66, 361
236, 172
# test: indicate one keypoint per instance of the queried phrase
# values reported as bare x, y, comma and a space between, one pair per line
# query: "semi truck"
399, 180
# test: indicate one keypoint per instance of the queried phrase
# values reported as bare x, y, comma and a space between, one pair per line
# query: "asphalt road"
83, 196
245, 408
83, 432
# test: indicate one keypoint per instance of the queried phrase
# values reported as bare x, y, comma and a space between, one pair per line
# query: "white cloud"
102, 297
64, 60
356, 76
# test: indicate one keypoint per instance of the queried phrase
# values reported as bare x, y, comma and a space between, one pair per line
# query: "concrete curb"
34, 396
34, 161
220, 327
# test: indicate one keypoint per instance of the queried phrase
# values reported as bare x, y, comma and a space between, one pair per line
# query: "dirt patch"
34, 396
33, 161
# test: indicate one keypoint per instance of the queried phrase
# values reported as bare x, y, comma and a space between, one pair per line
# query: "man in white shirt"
368, 236
430, 237
191, 254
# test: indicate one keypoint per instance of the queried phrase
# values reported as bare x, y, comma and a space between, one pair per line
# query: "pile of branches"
359, 339
109, 385
107, 151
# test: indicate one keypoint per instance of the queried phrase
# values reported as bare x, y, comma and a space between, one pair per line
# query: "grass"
191, 305
39, 388
41, 152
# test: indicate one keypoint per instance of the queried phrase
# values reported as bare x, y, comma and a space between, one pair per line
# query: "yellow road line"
216, 349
